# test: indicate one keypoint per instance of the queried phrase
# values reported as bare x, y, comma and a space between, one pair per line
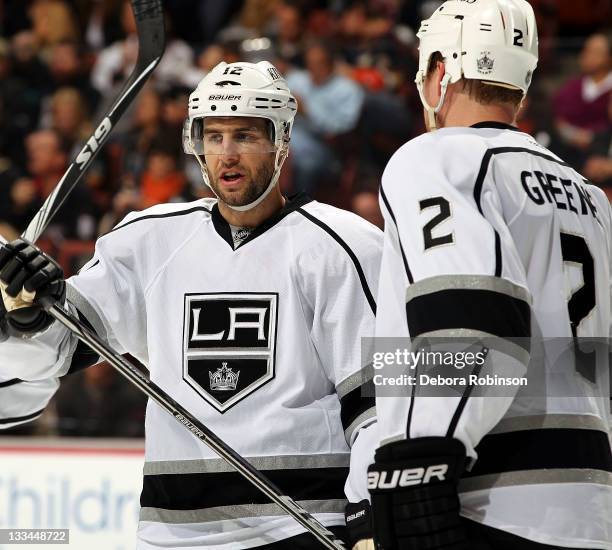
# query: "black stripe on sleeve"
21, 418
452, 426
208, 490
483, 310
11, 382
545, 448
83, 355
356, 402
388, 206
353, 257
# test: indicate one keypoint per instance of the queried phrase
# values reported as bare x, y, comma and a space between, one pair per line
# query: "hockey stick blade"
151, 43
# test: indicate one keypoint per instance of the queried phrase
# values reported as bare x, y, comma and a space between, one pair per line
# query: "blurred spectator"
98, 402
598, 164
161, 181
115, 62
365, 204
329, 105
69, 118
47, 162
98, 21
18, 109
126, 200
581, 105
18, 199
209, 58
52, 22
27, 66
174, 110
289, 33
67, 68
199, 21
145, 128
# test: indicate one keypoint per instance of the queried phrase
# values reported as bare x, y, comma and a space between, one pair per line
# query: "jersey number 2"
575, 250
445, 212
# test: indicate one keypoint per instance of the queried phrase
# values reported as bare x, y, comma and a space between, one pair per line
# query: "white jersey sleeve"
338, 298
449, 268
22, 401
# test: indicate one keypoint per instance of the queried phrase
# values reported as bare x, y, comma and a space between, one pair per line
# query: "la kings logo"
229, 345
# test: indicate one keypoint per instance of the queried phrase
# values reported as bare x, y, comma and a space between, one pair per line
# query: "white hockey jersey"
260, 341
490, 234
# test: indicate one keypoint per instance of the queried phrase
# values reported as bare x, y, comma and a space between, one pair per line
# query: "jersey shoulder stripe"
10, 382
334, 235
158, 213
390, 210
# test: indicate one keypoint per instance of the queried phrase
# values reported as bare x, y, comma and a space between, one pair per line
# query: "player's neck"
257, 215
465, 112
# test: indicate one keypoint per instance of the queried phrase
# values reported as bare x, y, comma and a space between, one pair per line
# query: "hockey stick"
151, 43
149, 20
197, 428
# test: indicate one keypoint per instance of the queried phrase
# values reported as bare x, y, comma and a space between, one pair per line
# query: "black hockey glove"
23, 266
358, 522
415, 505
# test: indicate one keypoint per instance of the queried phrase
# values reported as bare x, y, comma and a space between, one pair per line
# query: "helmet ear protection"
242, 90
495, 41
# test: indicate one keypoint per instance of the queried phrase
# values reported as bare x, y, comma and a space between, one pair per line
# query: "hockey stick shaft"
197, 428
151, 42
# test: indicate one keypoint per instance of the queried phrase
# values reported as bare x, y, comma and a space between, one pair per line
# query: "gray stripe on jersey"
78, 301
354, 381
535, 477
238, 512
548, 421
218, 465
503, 345
73, 343
393, 439
470, 282
369, 414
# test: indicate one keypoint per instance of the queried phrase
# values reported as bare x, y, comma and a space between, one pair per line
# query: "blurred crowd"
351, 65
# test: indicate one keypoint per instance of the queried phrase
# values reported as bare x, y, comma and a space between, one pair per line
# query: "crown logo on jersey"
224, 378
485, 63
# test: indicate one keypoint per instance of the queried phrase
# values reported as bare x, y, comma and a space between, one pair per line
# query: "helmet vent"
261, 99
486, 27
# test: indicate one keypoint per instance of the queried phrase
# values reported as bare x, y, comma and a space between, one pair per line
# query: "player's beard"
258, 183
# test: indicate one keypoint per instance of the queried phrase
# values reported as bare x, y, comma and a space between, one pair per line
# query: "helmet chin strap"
281, 155
433, 111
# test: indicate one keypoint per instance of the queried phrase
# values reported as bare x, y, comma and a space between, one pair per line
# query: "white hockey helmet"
241, 90
495, 41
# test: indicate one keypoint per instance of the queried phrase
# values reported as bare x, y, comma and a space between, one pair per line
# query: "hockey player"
248, 309
490, 235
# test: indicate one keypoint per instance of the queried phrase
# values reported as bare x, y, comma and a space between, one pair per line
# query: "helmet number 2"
518, 37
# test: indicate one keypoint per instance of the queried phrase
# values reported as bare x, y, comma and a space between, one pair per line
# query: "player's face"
239, 156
